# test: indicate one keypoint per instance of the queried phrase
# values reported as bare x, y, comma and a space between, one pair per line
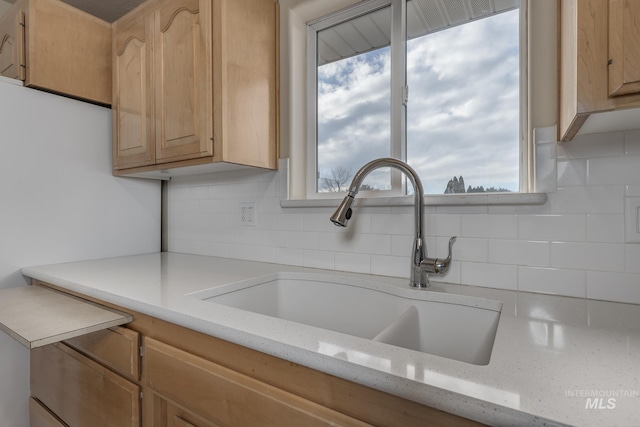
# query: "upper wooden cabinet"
11, 44
599, 60
195, 84
53, 46
624, 47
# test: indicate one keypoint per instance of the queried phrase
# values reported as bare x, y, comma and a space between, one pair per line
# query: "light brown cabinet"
191, 379
624, 47
81, 392
12, 44
599, 60
195, 84
56, 47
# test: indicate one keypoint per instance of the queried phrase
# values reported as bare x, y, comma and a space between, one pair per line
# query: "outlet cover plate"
632, 219
248, 214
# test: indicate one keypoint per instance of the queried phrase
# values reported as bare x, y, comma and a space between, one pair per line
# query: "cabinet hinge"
141, 351
609, 62
405, 95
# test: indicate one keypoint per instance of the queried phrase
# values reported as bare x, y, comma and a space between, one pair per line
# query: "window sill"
431, 200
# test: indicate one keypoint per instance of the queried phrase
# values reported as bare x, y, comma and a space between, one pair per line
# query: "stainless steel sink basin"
448, 325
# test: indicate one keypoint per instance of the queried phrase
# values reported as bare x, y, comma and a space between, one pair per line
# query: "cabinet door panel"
80, 391
133, 128
624, 45
117, 347
182, 88
12, 44
39, 416
227, 397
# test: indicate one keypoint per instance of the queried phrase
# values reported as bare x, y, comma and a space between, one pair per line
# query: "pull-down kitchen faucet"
420, 263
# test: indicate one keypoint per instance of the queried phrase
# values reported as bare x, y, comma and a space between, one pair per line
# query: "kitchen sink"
448, 325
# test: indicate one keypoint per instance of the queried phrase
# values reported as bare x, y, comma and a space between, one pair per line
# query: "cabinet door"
12, 44
39, 416
183, 93
229, 398
624, 47
133, 128
160, 412
81, 392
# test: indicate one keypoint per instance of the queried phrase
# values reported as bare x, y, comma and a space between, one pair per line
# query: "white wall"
59, 202
573, 245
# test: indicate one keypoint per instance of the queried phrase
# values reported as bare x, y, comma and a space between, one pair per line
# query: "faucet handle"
437, 265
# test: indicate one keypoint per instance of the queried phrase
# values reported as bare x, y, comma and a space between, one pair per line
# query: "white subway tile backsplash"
393, 224
567, 228
605, 228
572, 173
402, 245
620, 287
588, 256
390, 266
519, 252
319, 259
357, 263
374, 244
337, 242
289, 256
632, 142
303, 239
632, 258
263, 254
318, 222
614, 170
490, 226
570, 283
581, 200
470, 249
572, 245
489, 275
288, 221
443, 225
593, 145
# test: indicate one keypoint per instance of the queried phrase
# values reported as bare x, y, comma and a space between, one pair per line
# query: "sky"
462, 115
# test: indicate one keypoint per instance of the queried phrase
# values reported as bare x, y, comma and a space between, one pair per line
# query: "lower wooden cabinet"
229, 398
40, 416
186, 378
81, 392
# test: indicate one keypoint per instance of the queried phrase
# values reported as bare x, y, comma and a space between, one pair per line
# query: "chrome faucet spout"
420, 263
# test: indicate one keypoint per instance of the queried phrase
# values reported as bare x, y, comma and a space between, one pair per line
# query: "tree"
338, 180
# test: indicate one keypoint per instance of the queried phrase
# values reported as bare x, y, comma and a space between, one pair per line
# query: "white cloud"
462, 116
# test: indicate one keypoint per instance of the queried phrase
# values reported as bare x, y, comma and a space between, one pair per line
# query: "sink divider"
404, 331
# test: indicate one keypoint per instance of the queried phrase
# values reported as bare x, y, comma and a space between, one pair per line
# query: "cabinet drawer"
39, 416
227, 397
117, 348
80, 391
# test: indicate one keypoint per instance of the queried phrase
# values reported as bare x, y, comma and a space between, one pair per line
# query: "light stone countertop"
552, 357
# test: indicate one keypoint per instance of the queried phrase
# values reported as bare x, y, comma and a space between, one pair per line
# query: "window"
433, 82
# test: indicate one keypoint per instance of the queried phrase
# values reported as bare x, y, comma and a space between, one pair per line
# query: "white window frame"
398, 92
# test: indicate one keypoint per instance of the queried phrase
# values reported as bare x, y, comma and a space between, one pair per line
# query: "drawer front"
80, 391
39, 416
117, 348
226, 397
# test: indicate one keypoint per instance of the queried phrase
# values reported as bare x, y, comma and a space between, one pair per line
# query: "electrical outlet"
632, 219
248, 214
